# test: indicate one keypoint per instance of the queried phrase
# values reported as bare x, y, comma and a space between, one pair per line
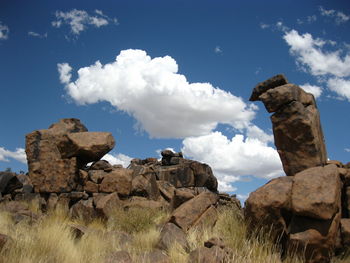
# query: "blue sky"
174, 74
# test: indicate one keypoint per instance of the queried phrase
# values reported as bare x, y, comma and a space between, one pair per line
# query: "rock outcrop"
306, 212
296, 124
60, 177
55, 155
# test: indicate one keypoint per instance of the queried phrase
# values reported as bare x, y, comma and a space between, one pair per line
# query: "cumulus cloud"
64, 71
4, 31
340, 86
18, 155
79, 20
313, 56
314, 90
318, 62
162, 101
35, 34
233, 158
338, 16
117, 159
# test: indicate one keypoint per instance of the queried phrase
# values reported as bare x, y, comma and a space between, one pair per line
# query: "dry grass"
51, 240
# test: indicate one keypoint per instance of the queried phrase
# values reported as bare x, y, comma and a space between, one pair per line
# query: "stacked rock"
306, 211
59, 176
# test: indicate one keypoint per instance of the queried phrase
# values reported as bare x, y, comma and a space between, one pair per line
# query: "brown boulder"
270, 206
101, 165
177, 175
67, 126
298, 137
345, 232
169, 235
117, 181
316, 192
83, 210
86, 146
296, 124
106, 204
167, 190
181, 195
264, 86
186, 215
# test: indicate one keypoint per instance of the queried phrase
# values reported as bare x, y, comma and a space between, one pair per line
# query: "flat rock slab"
188, 213
316, 192
88, 146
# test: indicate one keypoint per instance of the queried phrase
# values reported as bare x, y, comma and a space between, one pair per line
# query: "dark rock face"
56, 154
296, 124
307, 211
304, 211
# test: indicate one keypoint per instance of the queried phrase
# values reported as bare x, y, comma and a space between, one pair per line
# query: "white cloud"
117, 159
314, 90
340, 86
18, 155
318, 62
264, 26
162, 101
79, 20
339, 16
218, 49
233, 158
65, 72
311, 19
308, 20
4, 31
34, 34
347, 150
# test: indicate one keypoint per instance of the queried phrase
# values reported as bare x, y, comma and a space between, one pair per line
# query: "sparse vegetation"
51, 239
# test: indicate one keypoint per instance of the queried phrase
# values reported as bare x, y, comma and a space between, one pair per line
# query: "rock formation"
308, 211
296, 124
60, 177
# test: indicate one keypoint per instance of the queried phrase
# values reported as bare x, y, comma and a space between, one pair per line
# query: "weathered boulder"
106, 204
302, 211
296, 124
101, 165
117, 181
169, 235
87, 146
264, 86
9, 182
345, 232
186, 215
316, 192
270, 206
55, 155
84, 210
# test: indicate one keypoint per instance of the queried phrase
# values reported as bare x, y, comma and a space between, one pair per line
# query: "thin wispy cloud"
35, 34
217, 50
80, 20
4, 31
338, 16
347, 150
